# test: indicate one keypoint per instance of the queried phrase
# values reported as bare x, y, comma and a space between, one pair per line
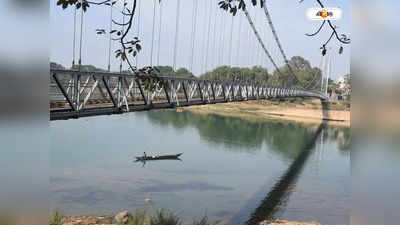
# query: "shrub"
161, 217
346, 104
7, 219
56, 219
164, 218
203, 221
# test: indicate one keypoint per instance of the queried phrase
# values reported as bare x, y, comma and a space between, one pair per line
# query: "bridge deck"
84, 94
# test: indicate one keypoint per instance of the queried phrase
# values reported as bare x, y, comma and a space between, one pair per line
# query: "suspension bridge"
221, 39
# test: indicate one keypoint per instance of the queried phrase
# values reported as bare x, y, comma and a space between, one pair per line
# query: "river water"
233, 170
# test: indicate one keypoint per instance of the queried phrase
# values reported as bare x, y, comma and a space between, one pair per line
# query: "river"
233, 170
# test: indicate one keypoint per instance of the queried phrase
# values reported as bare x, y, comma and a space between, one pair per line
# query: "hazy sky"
289, 18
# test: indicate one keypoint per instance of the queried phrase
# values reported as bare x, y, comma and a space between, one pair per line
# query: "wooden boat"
158, 157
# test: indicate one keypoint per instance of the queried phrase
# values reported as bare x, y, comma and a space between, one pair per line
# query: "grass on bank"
56, 218
161, 217
7, 219
141, 217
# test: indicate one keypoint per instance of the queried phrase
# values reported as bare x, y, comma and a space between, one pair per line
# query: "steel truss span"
75, 94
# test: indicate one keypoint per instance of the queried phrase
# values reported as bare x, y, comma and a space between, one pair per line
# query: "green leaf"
138, 47
241, 4
234, 11
65, 5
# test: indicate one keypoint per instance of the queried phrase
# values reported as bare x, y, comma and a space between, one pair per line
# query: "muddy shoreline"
309, 111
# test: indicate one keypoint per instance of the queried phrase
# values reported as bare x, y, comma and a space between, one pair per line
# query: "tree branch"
320, 28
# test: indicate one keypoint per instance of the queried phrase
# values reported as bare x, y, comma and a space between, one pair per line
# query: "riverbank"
297, 109
127, 218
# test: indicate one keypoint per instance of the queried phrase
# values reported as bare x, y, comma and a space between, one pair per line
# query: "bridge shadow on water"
280, 192
282, 189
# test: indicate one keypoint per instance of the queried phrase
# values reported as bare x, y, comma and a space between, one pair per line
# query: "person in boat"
144, 155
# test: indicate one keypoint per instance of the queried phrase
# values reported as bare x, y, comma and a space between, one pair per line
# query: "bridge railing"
75, 92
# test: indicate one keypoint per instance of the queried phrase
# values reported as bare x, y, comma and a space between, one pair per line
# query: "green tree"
347, 86
333, 87
307, 76
184, 73
256, 74
56, 66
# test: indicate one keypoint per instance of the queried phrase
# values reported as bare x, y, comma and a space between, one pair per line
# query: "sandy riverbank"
109, 220
300, 110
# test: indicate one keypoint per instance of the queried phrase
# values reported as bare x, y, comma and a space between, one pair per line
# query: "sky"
288, 16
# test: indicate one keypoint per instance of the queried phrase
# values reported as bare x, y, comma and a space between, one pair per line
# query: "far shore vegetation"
307, 76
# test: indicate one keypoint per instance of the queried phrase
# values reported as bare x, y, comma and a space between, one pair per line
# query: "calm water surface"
232, 169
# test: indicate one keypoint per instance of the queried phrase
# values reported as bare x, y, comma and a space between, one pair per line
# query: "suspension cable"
323, 72
326, 72
239, 46
263, 35
215, 35
109, 41
253, 46
239, 41
204, 39
259, 40
208, 36
250, 44
221, 38
230, 42
152, 35
123, 29
159, 35
74, 41
258, 54
193, 34
329, 72
81, 39
268, 16
138, 31
312, 82
176, 33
